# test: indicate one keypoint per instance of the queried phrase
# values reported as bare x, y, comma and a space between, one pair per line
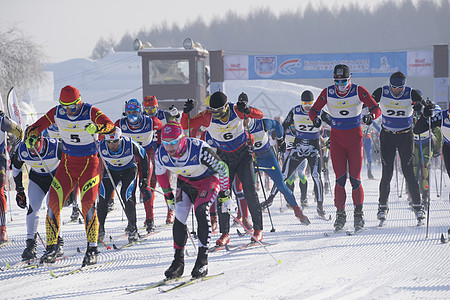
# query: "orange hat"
69, 95
150, 101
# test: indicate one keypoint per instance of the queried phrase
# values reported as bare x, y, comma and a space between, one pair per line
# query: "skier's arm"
318, 105
143, 158
10, 126
103, 123
201, 119
270, 124
210, 159
17, 164
376, 95
370, 102
422, 123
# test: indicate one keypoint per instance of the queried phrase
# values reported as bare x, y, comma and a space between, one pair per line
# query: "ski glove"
428, 109
281, 145
173, 111
143, 183
21, 198
91, 128
317, 122
188, 106
367, 119
243, 107
243, 97
170, 199
30, 141
417, 106
227, 203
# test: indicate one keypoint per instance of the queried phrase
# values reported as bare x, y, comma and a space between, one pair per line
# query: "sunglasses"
172, 142
112, 141
395, 87
341, 81
132, 107
307, 103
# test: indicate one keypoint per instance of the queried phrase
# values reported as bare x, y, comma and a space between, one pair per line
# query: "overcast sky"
71, 29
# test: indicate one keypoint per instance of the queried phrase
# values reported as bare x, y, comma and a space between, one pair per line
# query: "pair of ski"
178, 283
233, 247
348, 232
79, 269
137, 242
6, 243
35, 263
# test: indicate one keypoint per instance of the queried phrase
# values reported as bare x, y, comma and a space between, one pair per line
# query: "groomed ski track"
392, 262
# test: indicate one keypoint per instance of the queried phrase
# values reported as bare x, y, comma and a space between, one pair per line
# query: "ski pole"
259, 242
37, 233
429, 157
192, 208
109, 173
258, 172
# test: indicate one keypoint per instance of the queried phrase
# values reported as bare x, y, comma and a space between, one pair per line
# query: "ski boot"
30, 251
90, 258
133, 236
358, 219
299, 215
129, 228
420, 214
150, 225
176, 269
257, 236
201, 264
341, 218
320, 210
3, 235
247, 223
304, 203
382, 212
170, 218
223, 240
268, 202
213, 223
75, 214
49, 254
369, 174
59, 247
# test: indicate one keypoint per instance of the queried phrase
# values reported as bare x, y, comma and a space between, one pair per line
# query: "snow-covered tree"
20, 62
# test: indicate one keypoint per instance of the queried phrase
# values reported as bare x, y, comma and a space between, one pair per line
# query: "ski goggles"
219, 109
341, 81
132, 107
150, 109
172, 142
72, 107
306, 103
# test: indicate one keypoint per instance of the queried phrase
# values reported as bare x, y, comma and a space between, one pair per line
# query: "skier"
423, 155
77, 123
141, 128
6, 125
397, 102
344, 101
202, 177
43, 160
53, 132
119, 154
151, 108
225, 123
306, 147
442, 120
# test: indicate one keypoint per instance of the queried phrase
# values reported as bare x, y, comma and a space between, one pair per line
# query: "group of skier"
149, 144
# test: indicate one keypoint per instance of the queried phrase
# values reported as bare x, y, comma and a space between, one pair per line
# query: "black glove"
243, 107
188, 106
281, 145
317, 122
21, 198
243, 97
143, 183
417, 106
367, 119
428, 109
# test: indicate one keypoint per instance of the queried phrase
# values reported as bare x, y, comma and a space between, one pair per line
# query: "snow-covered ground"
393, 262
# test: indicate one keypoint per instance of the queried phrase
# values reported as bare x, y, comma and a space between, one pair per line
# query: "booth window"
168, 71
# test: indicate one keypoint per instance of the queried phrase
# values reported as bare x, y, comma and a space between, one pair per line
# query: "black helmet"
307, 96
341, 72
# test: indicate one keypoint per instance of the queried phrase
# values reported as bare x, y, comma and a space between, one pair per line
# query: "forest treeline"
391, 26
